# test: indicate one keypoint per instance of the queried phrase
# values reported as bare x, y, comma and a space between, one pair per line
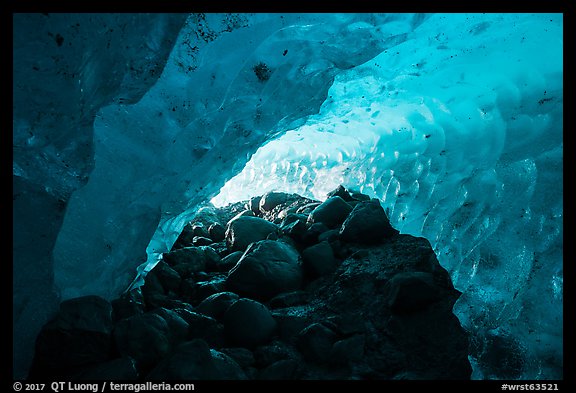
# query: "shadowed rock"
245, 230
248, 323
266, 269
332, 212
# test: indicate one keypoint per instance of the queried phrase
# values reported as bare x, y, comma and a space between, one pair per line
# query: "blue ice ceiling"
125, 124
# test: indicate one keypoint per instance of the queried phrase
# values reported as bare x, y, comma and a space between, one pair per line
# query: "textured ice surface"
453, 121
66, 67
459, 132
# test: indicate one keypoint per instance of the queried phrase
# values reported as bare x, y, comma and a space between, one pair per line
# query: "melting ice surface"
459, 134
453, 121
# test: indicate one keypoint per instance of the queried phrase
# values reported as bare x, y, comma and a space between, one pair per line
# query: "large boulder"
189, 260
216, 305
177, 327
229, 261
281, 370
248, 323
243, 356
272, 199
145, 338
266, 269
342, 193
411, 291
128, 304
123, 368
228, 368
203, 327
319, 260
367, 224
191, 360
217, 232
245, 230
79, 335
332, 212
315, 342
168, 277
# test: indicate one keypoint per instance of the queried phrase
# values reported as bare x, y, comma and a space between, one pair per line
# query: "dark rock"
203, 327
199, 231
243, 213
280, 371
313, 233
410, 376
201, 241
290, 322
188, 289
267, 354
348, 350
341, 192
248, 323
289, 299
349, 323
226, 366
254, 205
282, 214
221, 249
77, 337
121, 369
145, 338
204, 289
308, 208
243, 356
411, 291
295, 228
243, 231
168, 277
317, 229
329, 236
189, 260
91, 313
217, 232
359, 196
433, 342
191, 360
128, 304
215, 305
332, 212
319, 260
315, 342
272, 199
152, 289
177, 327
229, 261
266, 269
187, 256
367, 224
273, 236
184, 239
159, 300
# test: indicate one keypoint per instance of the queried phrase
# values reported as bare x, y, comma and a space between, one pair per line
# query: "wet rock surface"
276, 288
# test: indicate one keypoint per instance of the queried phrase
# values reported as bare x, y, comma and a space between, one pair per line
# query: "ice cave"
127, 126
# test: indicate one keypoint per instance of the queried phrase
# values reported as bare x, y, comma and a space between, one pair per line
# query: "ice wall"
65, 68
458, 130
232, 83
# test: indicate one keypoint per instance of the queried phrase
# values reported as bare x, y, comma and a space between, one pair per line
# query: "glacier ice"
453, 120
461, 139
65, 68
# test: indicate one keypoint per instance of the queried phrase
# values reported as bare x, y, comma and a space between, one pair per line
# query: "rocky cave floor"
276, 288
